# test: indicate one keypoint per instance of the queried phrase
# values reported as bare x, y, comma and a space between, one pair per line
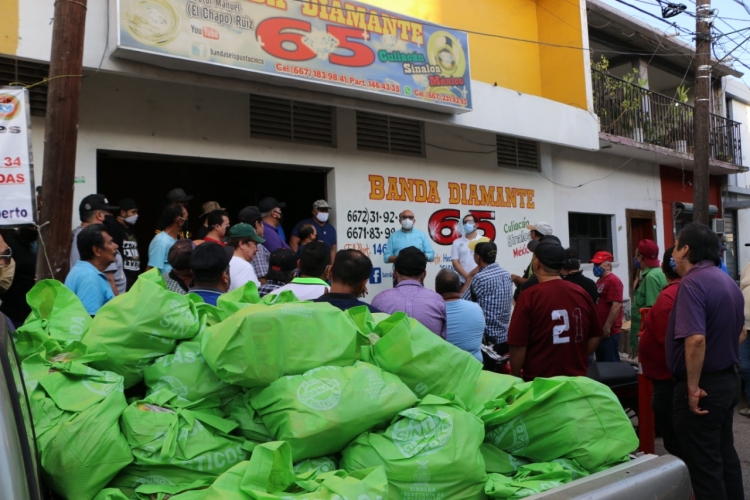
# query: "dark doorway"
640, 224
235, 185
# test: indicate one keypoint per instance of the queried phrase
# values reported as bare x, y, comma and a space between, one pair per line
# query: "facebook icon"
375, 277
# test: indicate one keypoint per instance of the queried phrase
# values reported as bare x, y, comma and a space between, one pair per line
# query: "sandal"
745, 412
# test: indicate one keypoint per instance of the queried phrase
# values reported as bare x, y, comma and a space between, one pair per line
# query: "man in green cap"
244, 240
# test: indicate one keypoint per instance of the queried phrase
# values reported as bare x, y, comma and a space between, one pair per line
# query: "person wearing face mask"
13, 302
647, 287
653, 358
95, 209
462, 257
407, 236
350, 274
706, 328
158, 250
271, 208
121, 230
325, 231
608, 306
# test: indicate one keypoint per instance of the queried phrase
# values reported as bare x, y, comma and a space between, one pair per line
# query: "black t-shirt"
128, 246
525, 286
14, 304
345, 301
586, 283
201, 233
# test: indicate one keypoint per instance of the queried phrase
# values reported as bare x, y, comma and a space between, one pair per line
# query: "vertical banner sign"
17, 201
356, 48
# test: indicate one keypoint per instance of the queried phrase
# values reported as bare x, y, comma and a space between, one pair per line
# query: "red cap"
650, 251
602, 256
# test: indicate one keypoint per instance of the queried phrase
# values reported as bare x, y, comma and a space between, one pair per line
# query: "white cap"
541, 227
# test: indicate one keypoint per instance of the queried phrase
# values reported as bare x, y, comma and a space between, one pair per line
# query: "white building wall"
628, 185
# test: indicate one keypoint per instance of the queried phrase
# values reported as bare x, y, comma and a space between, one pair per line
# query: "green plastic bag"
186, 373
320, 412
429, 451
500, 462
543, 420
490, 387
56, 313
421, 359
239, 298
260, 343
250, 425
317, 466
268, 475
75, 410
529, 480
158, 491
165, 430
137, 327
165, 476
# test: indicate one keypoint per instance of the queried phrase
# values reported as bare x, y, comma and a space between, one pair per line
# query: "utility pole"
701, 123
61, 137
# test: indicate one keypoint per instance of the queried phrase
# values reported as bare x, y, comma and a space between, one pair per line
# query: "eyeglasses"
410, 217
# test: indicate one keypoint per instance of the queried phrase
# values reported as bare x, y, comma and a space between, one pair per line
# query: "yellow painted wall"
531, 68
8, 26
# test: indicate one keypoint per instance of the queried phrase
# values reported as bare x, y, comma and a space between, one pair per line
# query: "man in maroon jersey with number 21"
554, 326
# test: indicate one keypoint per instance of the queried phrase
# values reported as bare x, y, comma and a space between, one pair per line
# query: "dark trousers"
607, 349
661, 402
707, 440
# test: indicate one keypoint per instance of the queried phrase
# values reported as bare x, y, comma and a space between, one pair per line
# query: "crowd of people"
687, 316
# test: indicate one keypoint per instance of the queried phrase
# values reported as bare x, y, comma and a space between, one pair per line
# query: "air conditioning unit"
718, 226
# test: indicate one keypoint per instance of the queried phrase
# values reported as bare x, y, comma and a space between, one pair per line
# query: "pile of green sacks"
163, 396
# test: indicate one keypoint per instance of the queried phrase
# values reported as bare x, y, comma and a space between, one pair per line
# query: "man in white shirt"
462, 256
244, 240
313, 266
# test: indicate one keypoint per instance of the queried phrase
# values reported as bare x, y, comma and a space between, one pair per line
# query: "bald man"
407, 236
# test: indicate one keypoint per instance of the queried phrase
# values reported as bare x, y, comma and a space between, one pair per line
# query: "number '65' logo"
445, 225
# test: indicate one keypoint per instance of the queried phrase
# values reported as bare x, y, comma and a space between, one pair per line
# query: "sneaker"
745, 412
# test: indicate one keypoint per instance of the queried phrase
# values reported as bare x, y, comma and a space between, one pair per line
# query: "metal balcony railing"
627, 110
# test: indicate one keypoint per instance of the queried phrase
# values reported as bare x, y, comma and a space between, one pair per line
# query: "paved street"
741, 442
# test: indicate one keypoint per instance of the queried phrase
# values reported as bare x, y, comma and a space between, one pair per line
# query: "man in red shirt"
554, 326
653, 358
608, 307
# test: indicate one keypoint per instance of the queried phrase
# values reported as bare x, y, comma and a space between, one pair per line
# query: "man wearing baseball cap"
94, 209
325, 230
537, 232
608, 307
251, 215
270, 208
647, 287
554, 326
121, 228
489, 285
244, 240
282, 266
210, 265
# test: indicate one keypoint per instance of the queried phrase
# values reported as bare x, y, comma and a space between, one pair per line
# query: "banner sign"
17, 200
351, 46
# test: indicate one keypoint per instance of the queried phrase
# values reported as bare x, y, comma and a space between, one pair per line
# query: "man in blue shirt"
465, 319
324, 229
158, 251
407, 237
87, 280
210, 265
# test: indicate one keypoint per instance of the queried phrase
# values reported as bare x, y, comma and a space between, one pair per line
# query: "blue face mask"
636, 263
469, 227
598, 271
672, 264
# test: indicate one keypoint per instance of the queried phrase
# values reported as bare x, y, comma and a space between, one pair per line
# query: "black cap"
268, 204
487, 251
209, 260
531, 245
127, 204
411, 261
282, 260
179, 254
249, 215
178, 195
96, 202
550, 253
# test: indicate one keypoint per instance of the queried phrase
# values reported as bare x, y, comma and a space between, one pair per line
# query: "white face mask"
407, 224
322, 216
131, 220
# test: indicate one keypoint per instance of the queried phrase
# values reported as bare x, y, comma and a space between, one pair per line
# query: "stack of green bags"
280, 399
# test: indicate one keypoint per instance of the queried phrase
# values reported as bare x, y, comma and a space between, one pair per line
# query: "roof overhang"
629, 148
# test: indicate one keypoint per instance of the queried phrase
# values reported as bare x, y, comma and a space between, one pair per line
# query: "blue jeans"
608, 349
745, 367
